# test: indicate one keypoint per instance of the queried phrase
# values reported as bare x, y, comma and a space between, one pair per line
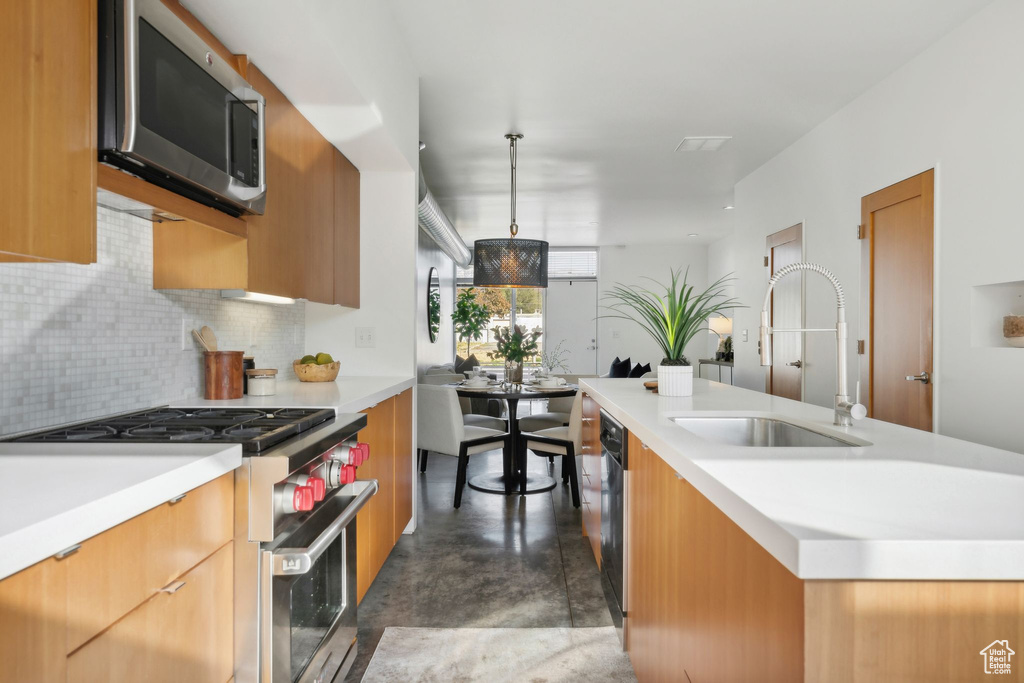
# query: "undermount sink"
761, 432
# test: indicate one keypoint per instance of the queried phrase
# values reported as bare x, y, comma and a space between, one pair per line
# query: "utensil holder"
223, 374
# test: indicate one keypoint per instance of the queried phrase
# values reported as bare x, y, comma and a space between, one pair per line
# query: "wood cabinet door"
590, 466
346, 232
403, 462
183, 633
291, 246
376, 521
48, 55
33, 618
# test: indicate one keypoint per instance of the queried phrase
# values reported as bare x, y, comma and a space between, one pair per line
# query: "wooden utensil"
210, 337
651, 385
199, 338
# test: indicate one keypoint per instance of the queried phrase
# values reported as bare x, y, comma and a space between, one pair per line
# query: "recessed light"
728, 208
705, 143
693, 234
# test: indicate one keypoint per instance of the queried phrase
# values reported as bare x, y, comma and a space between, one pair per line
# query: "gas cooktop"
255, 428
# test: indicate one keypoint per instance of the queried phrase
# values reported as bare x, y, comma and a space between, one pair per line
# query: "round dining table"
514, 463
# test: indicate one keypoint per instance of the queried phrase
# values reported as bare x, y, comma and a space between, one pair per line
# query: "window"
572, 264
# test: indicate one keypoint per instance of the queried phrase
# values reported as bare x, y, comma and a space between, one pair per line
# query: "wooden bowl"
316, 373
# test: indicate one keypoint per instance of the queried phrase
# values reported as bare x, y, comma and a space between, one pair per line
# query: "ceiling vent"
707, 143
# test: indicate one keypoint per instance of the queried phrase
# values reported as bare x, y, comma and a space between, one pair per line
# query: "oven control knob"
338, 474
349, 454
297, 498
319, 487
348, 474
365, 448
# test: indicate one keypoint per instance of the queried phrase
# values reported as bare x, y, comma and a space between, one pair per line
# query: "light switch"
366, 337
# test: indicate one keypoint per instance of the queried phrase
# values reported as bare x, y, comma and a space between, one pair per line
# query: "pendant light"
510, 262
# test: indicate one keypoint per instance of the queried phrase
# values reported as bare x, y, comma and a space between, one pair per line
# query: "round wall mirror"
433, 304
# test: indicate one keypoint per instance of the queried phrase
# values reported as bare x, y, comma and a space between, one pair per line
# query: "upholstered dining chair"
565, 441
557, 414
469, 418
440, 428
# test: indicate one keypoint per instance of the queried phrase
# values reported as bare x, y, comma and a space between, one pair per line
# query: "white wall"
958, 107
629, 265
387, 285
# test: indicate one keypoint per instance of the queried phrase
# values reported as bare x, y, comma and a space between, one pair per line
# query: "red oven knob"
349, 454
302, 499
348, 474
365, 448
319, 487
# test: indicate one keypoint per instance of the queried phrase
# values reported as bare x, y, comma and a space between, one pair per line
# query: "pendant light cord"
513, 228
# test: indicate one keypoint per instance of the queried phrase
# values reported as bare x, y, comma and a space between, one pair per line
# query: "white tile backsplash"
85, 341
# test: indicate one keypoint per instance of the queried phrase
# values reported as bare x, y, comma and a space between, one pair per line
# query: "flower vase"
513, 372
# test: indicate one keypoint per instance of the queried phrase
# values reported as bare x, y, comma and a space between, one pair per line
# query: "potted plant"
672, 319
515, 346
470, 317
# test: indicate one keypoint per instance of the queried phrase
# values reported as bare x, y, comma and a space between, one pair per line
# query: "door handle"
923, 378
796, 364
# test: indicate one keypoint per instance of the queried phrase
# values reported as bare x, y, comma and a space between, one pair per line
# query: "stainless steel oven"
174, 112
308, 589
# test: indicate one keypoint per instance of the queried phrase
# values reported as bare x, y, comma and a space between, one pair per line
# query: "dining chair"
440, 428
469, 418
565, 440
557, 414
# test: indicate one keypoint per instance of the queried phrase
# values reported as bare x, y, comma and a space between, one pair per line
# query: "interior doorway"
785, 375
570, 318
897, 273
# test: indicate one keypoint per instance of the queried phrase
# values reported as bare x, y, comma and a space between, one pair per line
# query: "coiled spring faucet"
846, 411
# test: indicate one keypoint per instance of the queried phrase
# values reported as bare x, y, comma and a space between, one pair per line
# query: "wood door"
183, 633
403, 462
897, 264
590, 467
48, 55
33, 624
346, 232
785, 376
376, 521
706, 601
291, 246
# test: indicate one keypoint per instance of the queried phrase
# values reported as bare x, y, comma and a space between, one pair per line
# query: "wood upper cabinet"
346, 232
48, 55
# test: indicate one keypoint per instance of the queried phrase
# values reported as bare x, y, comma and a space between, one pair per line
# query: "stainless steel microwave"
172, 111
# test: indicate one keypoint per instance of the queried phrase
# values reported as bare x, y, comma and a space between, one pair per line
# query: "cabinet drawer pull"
67, 551
173, 587
177, 499
678, 476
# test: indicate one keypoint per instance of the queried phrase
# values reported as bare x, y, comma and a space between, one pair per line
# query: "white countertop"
345, 395
911, 505
54, 495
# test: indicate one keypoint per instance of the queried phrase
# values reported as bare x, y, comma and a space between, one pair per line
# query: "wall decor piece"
433, 304
1013, 330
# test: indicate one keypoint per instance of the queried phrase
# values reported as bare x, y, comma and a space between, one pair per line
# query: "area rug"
531, 655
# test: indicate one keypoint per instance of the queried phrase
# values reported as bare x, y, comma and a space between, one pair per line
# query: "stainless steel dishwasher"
613, 527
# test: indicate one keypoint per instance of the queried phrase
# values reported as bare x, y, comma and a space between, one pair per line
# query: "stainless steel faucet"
846, 410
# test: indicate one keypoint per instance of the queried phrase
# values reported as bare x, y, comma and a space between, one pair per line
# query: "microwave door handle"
294, 561
243, 192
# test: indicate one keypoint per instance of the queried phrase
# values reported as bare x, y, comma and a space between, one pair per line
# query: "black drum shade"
510, 262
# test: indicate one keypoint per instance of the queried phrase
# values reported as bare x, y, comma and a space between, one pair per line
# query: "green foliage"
434, 312
515, 345
727, 345
498, 301
673, 318
470, 317
528, 300
555, 358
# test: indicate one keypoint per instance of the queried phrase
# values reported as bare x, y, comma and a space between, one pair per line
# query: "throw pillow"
467, 364
620, 368
640, 370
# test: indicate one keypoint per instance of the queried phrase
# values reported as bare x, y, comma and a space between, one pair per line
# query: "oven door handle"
295, 561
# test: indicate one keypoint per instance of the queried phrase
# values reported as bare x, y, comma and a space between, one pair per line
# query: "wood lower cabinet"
705, 601
114, 610
33, 624
48, 56
590, 474
182, 633
379, 524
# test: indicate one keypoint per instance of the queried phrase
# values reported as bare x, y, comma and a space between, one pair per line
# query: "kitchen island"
898, 557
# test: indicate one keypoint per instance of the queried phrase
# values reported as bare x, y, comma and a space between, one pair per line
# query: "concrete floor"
498, 561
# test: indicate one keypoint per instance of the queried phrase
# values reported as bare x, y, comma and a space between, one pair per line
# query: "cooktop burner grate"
170, 432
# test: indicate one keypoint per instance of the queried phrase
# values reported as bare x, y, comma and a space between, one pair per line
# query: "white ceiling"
604, 91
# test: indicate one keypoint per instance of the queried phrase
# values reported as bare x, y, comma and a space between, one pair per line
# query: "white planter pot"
675, 380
